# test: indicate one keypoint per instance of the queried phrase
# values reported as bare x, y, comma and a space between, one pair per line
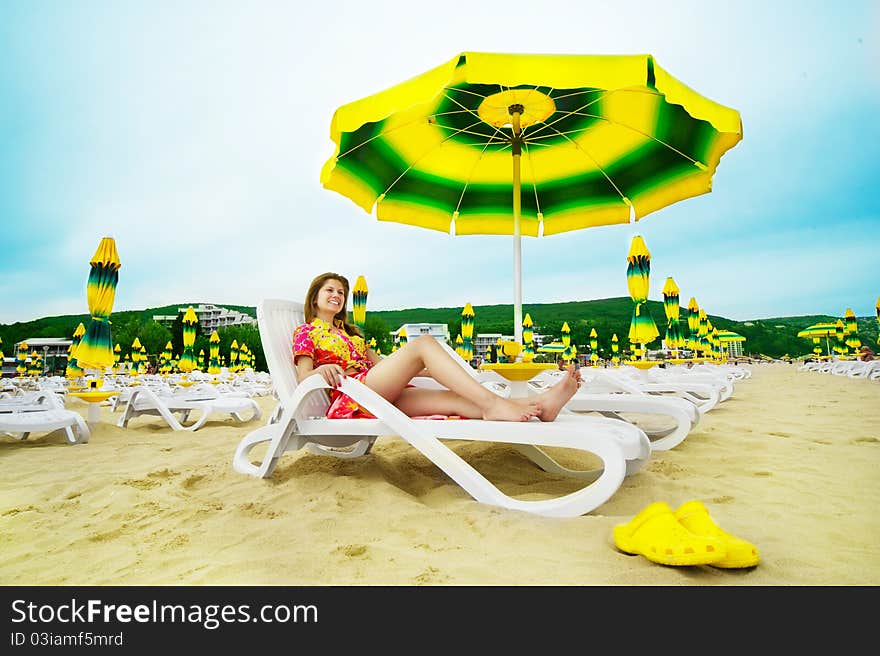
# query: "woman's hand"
332, 373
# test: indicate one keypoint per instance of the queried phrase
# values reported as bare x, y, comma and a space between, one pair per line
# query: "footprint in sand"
431, 576
353, 550
780, 434
865, 439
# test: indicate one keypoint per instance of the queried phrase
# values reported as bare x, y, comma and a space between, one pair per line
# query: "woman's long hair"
340, 319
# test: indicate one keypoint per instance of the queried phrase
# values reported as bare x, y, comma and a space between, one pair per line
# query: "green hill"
775, 336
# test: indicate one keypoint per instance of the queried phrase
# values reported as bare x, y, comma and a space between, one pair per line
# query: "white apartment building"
439, 331
211, 317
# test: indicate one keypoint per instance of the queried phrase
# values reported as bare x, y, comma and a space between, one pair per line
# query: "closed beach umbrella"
359, 303
401, 336
703, 332
188, 357
693, 319
615, 348
117, 353
852, 330
567, 354
674, 336
21, 355
142, 359
642, 329
73, 369
202, 364
467, 332
214, 354
459, 346
594, 346
96, 349
135, 354
233, 356
606, 138
528, 335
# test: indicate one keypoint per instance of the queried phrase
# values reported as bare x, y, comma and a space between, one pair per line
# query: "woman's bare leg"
390, 377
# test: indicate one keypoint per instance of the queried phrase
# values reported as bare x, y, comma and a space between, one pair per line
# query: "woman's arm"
305, 367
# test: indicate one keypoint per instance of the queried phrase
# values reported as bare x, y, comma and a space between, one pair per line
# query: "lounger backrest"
277, 319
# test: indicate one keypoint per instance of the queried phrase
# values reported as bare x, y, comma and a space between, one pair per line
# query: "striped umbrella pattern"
819, 330
96, 349
528, 145
615, 348
642, 329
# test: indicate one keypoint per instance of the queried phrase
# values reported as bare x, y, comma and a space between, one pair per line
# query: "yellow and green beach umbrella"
96, 349
73, 369
467, 332
233, 356
852, 330
117, 353
674, 335
693, 321
401, 336
594, 346
819, 330
615, 348
359, 303
528, 336
21, 356
567, 354
528, 145
214, 354
459, 344
724, 338
188, 357
642, 329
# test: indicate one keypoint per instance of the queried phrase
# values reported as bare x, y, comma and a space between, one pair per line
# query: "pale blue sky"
194, 134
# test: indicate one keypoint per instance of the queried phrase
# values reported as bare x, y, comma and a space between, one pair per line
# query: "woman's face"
330, 299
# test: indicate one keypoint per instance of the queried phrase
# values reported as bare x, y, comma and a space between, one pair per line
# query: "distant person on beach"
866, 354
327, 345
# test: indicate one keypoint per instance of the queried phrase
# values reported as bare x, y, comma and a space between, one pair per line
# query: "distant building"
211, 318
439, 331
53, 350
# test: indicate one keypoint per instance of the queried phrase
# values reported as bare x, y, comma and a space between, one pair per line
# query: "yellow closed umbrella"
642, 329
95, 351
359, 303
188, 357
467, 332
214, 354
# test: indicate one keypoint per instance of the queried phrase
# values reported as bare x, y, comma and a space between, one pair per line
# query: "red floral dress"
324, 346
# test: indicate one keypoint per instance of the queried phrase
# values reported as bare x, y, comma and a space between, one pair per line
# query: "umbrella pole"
516, 150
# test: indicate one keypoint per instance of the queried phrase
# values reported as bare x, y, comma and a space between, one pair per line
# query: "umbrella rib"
467, 181
416, 161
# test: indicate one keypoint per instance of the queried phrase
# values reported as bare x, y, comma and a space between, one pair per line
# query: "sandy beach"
791, 463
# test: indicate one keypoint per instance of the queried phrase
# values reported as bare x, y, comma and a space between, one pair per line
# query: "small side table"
94, 399
518, 373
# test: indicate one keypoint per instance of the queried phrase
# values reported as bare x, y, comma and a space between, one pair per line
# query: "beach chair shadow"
300, 423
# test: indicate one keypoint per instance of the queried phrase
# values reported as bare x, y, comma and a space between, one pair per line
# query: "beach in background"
791, 463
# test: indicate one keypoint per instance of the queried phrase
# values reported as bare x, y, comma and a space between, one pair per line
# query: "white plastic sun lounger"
302, 424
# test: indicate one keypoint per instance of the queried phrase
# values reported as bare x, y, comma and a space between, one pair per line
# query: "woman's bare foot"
555, 398
501, 409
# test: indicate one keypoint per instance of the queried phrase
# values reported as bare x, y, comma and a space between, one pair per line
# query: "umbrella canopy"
642, 329
188, 358
605, 139
233, 356
693, 319
21, 356
96, 349
552, 347
467, 332
819, 330
359, 303
725, 336
594, 345
615, 347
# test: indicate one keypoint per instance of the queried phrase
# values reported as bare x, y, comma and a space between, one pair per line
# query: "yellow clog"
657, 535
694, 516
